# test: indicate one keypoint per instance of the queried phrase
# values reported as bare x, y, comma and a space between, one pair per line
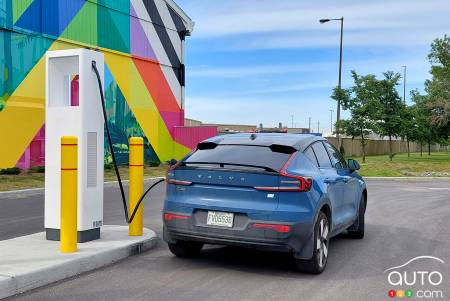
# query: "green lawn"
36, 180
436, 165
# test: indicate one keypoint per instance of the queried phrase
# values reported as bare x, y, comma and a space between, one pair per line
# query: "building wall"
230, 128
143, 45
192, 122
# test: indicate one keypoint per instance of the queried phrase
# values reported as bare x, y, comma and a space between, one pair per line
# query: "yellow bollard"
69, 187
136, 185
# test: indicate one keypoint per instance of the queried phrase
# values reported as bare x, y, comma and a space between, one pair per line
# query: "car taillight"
275, 227
171, 216
300, 184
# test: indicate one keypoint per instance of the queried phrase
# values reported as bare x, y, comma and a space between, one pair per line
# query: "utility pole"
331, 127
404, 84
318, 126
292, 118
309, 124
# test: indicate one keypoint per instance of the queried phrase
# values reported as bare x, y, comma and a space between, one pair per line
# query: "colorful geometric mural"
142, 41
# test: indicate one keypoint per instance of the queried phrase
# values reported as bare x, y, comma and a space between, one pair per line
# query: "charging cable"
113, 156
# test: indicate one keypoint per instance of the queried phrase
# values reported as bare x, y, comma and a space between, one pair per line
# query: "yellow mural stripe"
24, 113
143, 107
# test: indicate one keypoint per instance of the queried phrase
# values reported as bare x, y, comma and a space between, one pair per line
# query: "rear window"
260, 156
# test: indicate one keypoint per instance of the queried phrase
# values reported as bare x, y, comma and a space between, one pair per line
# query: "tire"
357, 229
185, 249
318, 261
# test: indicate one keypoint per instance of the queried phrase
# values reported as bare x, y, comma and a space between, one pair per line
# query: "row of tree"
376, 106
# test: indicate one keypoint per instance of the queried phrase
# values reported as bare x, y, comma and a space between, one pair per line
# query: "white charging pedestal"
73, 108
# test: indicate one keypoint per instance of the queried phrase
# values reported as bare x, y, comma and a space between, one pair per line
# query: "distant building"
246, 128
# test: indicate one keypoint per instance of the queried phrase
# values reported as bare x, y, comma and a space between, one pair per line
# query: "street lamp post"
338, 111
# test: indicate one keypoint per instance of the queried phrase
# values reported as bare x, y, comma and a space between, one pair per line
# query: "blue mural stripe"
31, 18
56, 16
49, 16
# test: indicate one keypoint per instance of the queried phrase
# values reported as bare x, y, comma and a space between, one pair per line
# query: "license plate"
222, 219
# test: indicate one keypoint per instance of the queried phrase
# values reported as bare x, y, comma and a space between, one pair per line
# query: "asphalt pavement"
404, 219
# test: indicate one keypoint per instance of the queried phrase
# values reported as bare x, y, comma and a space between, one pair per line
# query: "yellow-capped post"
69, 195
136, 185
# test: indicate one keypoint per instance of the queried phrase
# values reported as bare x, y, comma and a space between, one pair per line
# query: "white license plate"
222, 219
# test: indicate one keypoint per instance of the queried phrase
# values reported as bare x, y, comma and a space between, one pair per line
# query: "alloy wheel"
322, 242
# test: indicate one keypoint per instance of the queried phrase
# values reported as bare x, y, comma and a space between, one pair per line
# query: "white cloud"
375, 65
262, 16
259, 70
379, 35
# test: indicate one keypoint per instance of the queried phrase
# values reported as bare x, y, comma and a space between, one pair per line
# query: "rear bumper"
299, 240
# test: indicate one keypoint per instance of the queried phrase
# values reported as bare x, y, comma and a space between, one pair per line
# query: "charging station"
73, 109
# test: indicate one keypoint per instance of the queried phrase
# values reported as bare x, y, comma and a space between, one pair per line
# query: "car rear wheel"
317, 263
357, 229
185, 248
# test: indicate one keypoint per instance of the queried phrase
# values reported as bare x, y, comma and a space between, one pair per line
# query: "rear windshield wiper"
231, 164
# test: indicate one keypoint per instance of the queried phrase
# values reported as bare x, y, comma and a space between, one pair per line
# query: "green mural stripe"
83, 27
113, 29
19, 7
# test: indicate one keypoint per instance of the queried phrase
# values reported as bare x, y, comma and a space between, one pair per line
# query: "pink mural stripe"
191, 136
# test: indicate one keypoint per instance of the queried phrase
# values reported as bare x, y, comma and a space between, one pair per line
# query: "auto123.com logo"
417, 278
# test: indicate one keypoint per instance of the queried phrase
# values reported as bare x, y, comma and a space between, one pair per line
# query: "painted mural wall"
143, 45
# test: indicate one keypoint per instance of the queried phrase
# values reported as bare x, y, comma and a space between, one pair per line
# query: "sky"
271, 61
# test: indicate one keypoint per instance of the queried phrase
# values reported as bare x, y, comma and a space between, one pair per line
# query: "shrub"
152, 163
10, 171
38, 169
108, 166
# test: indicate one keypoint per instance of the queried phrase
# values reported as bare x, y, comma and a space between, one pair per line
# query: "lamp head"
324, 21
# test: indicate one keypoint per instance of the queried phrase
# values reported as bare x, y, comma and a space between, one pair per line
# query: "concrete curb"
33, 191
29, 262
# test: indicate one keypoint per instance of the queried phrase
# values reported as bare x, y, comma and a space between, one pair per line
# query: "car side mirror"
353, 165
173, 162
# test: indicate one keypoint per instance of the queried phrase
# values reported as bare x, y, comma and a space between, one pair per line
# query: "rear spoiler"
277, 148
206, 145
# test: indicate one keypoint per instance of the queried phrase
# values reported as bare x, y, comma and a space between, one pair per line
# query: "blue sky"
261, 61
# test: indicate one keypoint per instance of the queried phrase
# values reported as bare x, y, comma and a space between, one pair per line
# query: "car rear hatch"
230, 177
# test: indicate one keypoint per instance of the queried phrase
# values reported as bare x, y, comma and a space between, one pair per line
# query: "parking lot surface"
404, 219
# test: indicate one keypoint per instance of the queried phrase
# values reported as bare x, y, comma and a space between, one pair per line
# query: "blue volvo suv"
281, 192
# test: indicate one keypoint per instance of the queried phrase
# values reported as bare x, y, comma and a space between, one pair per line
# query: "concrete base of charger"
30, 261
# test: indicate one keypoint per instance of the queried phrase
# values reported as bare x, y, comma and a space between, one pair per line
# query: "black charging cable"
113, 156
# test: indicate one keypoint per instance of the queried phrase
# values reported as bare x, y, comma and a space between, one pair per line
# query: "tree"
360, 101
388, 116
438, 87
426, 132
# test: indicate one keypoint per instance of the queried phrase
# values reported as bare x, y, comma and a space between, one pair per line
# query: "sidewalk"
28, 262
